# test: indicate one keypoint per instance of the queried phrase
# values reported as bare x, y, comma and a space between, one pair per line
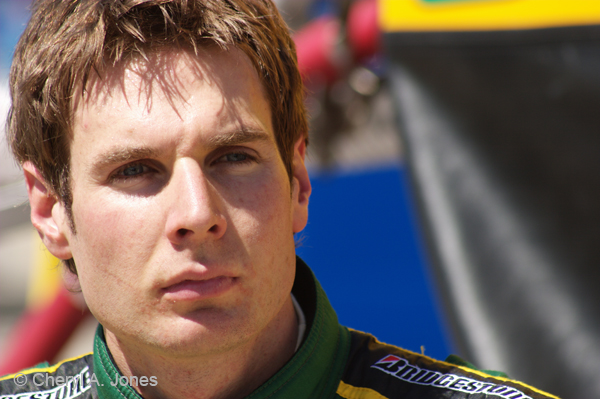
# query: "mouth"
197, 290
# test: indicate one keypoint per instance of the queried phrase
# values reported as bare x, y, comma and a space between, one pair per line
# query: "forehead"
171, 74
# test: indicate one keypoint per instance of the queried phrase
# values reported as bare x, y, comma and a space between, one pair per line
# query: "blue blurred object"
361, 242
13, 17
318, 8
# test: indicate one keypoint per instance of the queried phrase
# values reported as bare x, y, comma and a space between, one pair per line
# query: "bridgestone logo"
75, 386
401, 369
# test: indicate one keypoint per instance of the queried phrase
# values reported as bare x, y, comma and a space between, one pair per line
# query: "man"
163, 148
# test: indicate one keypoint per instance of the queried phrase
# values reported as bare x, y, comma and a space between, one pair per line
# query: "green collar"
313, 372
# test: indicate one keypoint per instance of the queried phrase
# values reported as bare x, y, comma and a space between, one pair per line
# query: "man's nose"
196, 209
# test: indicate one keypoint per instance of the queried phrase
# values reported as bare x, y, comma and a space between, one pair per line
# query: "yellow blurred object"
484, 15
45, 279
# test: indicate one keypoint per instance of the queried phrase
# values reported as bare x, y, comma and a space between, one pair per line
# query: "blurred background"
454, 161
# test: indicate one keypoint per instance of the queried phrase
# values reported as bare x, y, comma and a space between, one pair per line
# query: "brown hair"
67, 40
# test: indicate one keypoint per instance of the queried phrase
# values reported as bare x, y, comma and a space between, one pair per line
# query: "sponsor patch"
401, 369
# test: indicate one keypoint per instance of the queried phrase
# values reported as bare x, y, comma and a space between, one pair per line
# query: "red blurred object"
39, 335
362, 30
322, 54
316, 49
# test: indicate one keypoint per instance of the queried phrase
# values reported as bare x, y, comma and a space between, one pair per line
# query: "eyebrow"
237, 137
123, 155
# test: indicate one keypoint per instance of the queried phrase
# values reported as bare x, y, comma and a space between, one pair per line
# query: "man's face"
183, 210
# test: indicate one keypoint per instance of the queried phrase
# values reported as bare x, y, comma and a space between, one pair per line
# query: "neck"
228, 375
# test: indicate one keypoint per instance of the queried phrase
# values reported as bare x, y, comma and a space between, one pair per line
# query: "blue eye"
237, 157
134, 170
131, 171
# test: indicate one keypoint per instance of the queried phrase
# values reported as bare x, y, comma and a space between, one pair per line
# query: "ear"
301, 188
48, 215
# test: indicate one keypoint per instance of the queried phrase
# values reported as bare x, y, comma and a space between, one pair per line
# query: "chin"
190, 337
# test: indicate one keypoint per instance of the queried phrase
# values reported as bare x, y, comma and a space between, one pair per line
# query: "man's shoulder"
71, 378
380, 371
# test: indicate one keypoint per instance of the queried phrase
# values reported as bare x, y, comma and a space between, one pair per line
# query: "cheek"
113, 244
111, 236
262, 213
